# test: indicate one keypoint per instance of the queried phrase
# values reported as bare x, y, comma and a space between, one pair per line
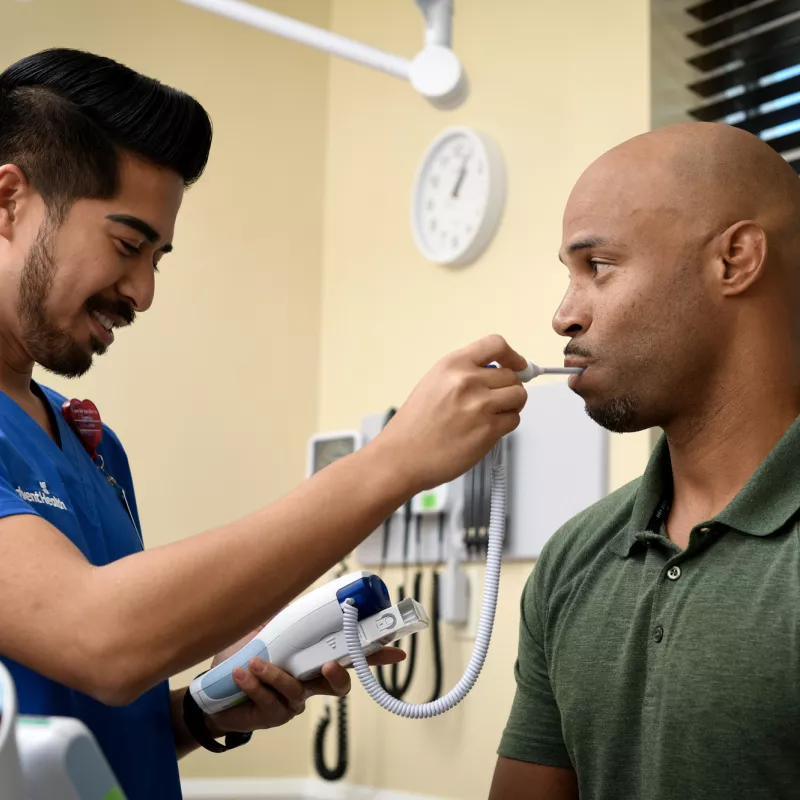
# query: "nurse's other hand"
275, 697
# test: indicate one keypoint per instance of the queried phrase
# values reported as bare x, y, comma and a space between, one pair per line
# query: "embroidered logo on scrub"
42, 497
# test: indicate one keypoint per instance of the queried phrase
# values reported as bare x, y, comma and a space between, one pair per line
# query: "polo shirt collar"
654, 486
764, 504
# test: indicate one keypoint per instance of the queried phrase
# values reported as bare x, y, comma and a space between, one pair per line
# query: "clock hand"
461, 176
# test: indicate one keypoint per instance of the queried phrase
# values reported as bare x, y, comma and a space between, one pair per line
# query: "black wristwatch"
195, 721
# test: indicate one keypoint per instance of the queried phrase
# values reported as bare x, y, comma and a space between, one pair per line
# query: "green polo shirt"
661, 674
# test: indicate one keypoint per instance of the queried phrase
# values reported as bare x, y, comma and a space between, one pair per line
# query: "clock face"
458, 197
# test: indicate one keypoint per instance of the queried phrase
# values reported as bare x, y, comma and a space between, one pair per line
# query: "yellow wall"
309, 184
555, 83
214, 390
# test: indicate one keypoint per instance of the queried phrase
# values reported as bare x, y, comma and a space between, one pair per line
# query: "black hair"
66, 116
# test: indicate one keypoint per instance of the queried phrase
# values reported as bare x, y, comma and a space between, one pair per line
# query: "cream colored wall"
556, 83
214, 390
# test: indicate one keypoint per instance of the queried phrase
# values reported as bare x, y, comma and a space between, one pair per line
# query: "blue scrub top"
62, 485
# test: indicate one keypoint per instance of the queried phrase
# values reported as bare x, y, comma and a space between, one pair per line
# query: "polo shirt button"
658, 633
674, 573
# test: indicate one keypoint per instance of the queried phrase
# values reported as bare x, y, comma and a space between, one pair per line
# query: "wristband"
195, 720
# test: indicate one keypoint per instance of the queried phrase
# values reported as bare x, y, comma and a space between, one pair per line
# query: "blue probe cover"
370, 595
218, 683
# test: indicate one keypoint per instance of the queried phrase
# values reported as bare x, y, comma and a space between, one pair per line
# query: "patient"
659, 652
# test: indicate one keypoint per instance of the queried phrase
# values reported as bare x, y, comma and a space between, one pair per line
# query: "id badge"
84, 419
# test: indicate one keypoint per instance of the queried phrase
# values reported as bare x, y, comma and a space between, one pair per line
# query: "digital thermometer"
352, 617
309, 633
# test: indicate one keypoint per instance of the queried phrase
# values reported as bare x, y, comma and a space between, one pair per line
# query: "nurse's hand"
277, 698
455, 415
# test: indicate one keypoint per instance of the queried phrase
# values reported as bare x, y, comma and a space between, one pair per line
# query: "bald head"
683, 247
714, 174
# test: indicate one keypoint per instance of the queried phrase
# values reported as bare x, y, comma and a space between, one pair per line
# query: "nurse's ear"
18, 199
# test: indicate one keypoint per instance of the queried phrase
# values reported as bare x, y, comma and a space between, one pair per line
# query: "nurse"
94, 162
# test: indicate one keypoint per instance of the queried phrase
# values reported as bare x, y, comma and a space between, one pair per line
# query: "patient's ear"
742, 255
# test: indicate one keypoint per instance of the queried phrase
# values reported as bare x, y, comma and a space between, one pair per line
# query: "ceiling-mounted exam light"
436, 73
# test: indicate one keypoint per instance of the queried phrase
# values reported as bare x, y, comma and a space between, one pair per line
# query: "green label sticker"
428, 501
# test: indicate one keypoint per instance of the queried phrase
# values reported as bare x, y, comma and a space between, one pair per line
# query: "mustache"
573, 349
112, 308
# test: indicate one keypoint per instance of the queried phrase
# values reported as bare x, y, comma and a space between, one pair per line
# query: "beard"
48, 345
52, 347
618, 415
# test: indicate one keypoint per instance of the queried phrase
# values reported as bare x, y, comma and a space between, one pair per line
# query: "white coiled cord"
491, 586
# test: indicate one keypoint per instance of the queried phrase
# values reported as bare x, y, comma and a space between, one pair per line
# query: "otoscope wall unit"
557, 463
